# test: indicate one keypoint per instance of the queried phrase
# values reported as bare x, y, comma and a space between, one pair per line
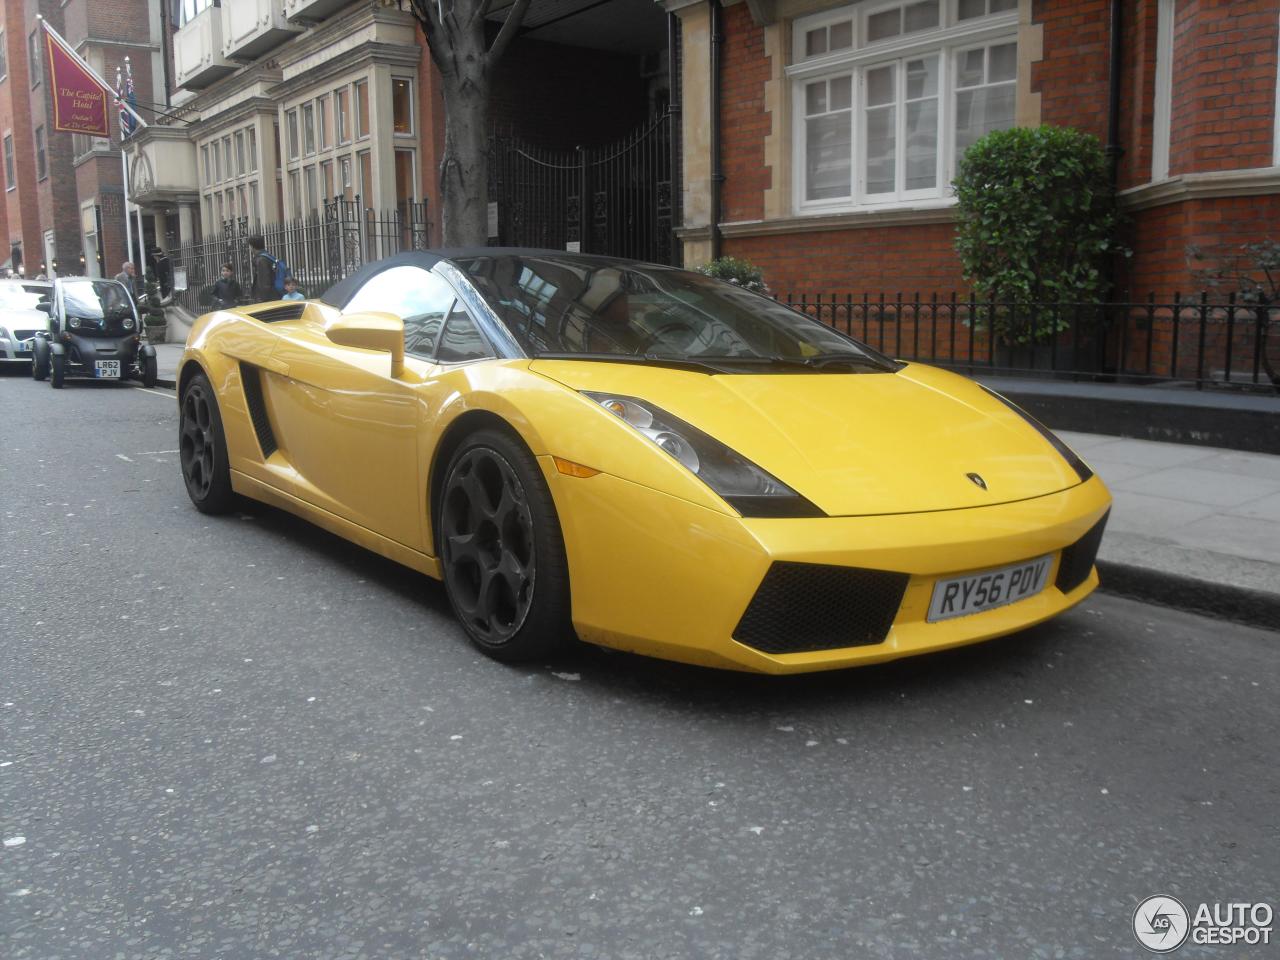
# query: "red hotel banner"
79, 101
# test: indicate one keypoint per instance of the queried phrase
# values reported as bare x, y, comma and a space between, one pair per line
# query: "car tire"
202, 448
147, 371
57, 370
39, 359
502, 551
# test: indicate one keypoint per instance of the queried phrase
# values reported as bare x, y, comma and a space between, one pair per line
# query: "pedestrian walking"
129, 277
267, 281
226, 291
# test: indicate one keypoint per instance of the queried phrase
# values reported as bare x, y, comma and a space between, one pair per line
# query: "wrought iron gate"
615, 199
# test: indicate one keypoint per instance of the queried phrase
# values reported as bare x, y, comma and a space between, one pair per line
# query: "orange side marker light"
571, 469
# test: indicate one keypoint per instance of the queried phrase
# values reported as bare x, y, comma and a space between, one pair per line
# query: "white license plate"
961, 596
106, 368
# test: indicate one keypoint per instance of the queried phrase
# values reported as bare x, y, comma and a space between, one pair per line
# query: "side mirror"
373, 330
44, 306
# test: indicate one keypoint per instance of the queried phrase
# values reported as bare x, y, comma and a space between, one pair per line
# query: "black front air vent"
1077, 559
290, 311
251, 377
801, 607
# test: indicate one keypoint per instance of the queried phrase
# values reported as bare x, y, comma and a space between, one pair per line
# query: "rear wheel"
202, 448
502, 551
57, 370
39, 359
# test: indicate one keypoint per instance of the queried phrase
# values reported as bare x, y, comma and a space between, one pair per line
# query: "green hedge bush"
1037, 223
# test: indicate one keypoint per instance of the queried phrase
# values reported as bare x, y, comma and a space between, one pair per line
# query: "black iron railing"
320, 250
1186, 339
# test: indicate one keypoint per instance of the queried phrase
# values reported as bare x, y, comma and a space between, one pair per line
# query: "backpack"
281, 271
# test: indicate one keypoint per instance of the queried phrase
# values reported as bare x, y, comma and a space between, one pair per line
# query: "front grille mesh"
1077, 559
802, 607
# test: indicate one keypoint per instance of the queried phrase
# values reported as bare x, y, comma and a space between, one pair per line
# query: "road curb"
1257, 608
167, 384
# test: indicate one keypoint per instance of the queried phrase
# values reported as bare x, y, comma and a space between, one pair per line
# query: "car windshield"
96, 300
21, 296
594, 308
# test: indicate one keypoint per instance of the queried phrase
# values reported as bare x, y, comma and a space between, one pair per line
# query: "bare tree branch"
508, 31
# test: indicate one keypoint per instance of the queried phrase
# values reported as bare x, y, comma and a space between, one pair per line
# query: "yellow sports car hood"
853, 443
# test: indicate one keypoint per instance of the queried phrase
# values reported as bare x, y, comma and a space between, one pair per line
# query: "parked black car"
94, 331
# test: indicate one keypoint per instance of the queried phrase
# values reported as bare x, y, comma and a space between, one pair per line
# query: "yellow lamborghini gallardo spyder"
643, 458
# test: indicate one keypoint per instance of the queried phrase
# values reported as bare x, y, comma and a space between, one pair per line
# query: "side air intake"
251, 377
290, 311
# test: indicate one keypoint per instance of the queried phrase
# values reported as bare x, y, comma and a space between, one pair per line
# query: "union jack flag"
125, 95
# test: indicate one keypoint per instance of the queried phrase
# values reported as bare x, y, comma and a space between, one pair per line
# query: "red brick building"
63, 209
841, 124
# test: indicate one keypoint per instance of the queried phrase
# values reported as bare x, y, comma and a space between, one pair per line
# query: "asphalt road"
241, 738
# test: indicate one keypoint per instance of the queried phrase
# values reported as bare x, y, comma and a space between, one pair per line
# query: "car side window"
461, 340
418, 297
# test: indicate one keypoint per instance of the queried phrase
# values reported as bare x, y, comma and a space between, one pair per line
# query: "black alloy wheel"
202, 449
502, 550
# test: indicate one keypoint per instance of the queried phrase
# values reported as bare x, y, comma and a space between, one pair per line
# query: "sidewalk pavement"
1192, 527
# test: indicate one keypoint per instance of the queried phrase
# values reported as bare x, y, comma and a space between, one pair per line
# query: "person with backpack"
268, 272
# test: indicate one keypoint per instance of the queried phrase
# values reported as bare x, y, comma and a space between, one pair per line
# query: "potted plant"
153, 317
1037, 223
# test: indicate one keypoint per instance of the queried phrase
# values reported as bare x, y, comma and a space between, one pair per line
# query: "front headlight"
4, 334
751, 491
128, 323
74, 323
1079, 466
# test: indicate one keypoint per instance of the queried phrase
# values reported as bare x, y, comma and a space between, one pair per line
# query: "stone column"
187, 223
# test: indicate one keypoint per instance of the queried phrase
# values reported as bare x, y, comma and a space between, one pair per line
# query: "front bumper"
663, 577
83, 351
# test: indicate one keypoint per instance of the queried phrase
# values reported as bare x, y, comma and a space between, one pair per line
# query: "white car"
20, 321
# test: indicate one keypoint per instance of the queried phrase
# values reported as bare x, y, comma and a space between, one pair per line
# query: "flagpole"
124, 177
142, 233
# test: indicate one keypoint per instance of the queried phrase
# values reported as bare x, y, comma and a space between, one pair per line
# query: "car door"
352, 431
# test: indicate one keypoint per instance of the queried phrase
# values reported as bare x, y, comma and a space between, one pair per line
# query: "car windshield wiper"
816, 362
650, 359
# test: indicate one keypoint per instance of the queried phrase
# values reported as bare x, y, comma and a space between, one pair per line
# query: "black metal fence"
1191, 340
320, 250
616, 199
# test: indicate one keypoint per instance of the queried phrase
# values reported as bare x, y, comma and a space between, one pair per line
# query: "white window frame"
948, 40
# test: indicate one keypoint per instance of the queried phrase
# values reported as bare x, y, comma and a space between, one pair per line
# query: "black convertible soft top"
341, 292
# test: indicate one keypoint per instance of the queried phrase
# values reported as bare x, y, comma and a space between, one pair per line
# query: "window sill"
907, 215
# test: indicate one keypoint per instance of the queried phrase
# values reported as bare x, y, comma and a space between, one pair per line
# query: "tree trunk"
464, 169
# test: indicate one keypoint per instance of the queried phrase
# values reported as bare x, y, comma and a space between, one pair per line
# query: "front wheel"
502, 551
39, 359
202, 448
57, 370
147, 371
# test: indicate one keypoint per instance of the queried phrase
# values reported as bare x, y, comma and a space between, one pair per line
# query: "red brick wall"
1137, 92
1224, 75
1162, 235
22, 211
1073, 77
744, 121
892, 259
